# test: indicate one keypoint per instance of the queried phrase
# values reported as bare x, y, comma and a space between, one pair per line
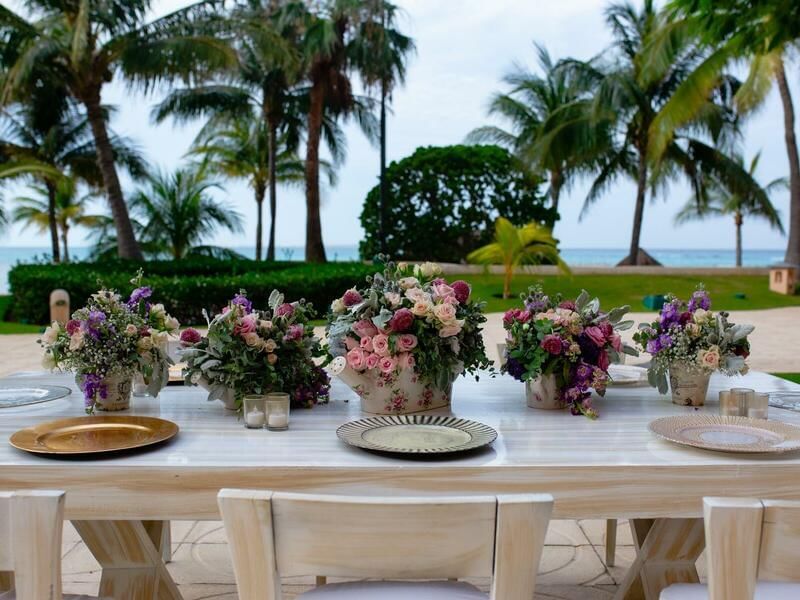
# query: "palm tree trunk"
64, 238
793, 245
51, 220
556, 183
633, 257
738, 220
273, 186
260, 192
127, 246
315, 250
383, 197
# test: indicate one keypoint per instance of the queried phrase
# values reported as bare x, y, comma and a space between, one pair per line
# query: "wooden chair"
752, 550
31, 525
273, 535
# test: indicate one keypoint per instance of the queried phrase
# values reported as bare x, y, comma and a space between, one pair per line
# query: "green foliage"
442, 202
185, 287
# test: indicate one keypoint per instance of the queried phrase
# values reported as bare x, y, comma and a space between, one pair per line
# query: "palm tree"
70, 210
722, 202
532, 244
82, 45
653, 56
762, 32
178, 213
54, 146
551, 125
258, 88
236, 149
332, 45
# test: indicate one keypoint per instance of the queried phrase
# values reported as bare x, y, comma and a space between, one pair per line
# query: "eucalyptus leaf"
582, 300
623, 325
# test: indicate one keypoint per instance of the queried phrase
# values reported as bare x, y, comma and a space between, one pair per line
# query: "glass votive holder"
759, 406
742, 397
277, 411
254, 407
728, 404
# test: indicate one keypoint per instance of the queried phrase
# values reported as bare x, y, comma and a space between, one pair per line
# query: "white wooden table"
608, 468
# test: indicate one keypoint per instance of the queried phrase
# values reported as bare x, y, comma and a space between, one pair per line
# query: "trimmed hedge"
185, 287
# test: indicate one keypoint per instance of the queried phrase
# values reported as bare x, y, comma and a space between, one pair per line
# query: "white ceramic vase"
397, 394
118, 393
543, 393
688, 385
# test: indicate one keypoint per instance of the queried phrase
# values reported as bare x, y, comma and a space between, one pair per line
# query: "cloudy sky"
463, 49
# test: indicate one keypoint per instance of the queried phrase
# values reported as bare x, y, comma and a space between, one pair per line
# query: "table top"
610, 467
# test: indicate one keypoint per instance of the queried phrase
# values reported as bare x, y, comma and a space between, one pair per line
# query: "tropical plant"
70, 210
176, 213
513, 246
551, 129
722, 202
56, 145
652, 56
82, 45
762, 32
442, 203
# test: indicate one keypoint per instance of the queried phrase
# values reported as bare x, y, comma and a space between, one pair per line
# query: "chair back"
750, 540
31, 524
273, 535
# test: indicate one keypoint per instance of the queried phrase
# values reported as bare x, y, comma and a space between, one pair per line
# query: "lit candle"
279, 420
256, 418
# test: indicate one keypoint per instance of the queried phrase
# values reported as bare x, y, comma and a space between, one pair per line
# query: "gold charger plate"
729, 434
93, 435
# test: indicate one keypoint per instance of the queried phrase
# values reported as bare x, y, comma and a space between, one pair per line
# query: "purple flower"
670, 314
241, 300
92, 386
538, 304
515, 368
583, 373
93, 322
656, 345
700, 299
589, 350
139, 294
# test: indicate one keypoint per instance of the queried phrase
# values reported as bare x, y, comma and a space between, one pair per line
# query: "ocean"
9, 256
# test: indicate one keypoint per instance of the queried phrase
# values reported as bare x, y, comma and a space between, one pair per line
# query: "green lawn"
793, 377
616, 290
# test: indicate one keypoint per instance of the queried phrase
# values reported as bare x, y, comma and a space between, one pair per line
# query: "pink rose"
356, 359
372, 360
406, 342
567, 304
364, 328
552, 344
251, 338
451, 329
366, 344
73, 325
444, 312
603, 360
606, 328
596, 335
351, 298
284, 310
387, 364
616, 342
190, 336
524, 316
510, 316
462, 290
442, 290
402, 320
406, 361
350, 343
295, 332
380, 345
246, 324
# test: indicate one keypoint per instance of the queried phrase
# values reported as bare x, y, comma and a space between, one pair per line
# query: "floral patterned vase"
689, 386
118, 396
543, 393
396, 394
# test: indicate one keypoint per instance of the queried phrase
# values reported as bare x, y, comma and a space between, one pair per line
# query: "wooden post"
59, 306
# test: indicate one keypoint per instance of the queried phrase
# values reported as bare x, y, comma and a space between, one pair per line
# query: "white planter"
688, 385
397, 394
543, 393
118, 393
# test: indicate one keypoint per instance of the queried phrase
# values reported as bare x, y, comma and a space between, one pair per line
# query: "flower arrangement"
689, 334
112, 339
571, 340
408, 326
253, 351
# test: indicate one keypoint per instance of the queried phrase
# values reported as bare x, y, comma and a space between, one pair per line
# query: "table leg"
130, 554
666, 552
6, 581
611, 542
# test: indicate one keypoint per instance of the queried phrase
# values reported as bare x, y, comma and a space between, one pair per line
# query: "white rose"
171, 323
408, 282
158, 311
270, 345
265, 324
337, 306
393, 298
709, 359
48, 361
76, 341
144, 344
428, 269
417, 294
421, 307
130, 329
51, 333
160, 338
701, 316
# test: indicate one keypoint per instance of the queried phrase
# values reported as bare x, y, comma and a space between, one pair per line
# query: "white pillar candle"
278, 420
255, 418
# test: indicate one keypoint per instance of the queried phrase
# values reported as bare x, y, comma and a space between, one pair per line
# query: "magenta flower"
462, 291
567, 305
552, 343
402, 320
295, 332
596, 335
284, 310
190, 336
351, 298
73, 325
603, 361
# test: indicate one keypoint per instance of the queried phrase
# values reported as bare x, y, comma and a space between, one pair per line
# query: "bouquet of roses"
689, 334
110, 337
253, 351
408, 318
572, 340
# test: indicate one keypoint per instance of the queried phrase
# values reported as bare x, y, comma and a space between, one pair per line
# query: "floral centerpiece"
249, 351
108, 342
687, 343
401, 341
562, 349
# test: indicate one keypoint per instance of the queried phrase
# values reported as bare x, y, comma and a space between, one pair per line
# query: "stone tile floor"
572, 566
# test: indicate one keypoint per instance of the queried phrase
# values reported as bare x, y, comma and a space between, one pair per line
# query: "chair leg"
611, 542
